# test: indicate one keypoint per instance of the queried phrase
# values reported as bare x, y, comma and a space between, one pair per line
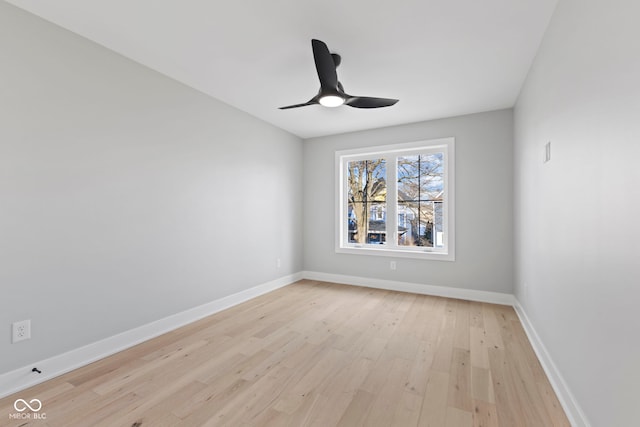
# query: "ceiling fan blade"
369, 102
299, 105
325, 64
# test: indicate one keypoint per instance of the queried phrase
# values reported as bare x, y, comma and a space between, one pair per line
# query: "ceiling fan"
331, 93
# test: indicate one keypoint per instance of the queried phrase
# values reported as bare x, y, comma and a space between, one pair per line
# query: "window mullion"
344, 228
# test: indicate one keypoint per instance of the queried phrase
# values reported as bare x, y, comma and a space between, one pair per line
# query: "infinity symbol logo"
21, 405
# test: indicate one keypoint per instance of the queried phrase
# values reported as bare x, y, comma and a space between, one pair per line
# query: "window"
397, 200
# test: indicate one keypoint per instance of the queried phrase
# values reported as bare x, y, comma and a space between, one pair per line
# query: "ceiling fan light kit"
331, 101
331, 92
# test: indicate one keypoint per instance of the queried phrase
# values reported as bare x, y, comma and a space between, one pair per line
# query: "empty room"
294, 213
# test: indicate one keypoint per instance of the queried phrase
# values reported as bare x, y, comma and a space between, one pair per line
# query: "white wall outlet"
20, 331
278, 263
392, 265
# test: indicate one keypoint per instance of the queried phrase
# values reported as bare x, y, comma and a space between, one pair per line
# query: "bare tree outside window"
367, 195
420, 196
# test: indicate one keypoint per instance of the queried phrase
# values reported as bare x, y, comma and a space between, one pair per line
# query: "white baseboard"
416, 288
572, 409
22, 378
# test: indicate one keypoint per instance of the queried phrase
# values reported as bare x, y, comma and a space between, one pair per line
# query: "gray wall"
125, 196
577, 217
484, 202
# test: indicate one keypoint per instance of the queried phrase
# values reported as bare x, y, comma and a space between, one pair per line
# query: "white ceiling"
441, 58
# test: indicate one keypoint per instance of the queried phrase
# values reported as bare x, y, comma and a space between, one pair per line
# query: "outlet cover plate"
20, 331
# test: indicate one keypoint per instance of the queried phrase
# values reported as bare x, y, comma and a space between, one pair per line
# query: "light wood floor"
316, 354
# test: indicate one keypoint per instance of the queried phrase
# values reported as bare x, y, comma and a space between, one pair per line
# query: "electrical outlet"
278, 263
20, 331
392, 265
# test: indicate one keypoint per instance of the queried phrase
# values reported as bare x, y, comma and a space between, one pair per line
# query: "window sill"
396, 253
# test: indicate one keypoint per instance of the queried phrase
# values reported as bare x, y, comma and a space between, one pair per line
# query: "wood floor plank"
434, 404
460, 380
421, 366
482, 385
461, 338
479, 346
407, 412
484, 414
357, 410
389, 396
312, 411
444, 349
316, 354
458, 418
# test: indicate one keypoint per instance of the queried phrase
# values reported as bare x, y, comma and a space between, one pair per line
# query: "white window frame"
390, 154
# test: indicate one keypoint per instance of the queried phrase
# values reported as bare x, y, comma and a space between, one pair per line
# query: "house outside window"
397, 200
